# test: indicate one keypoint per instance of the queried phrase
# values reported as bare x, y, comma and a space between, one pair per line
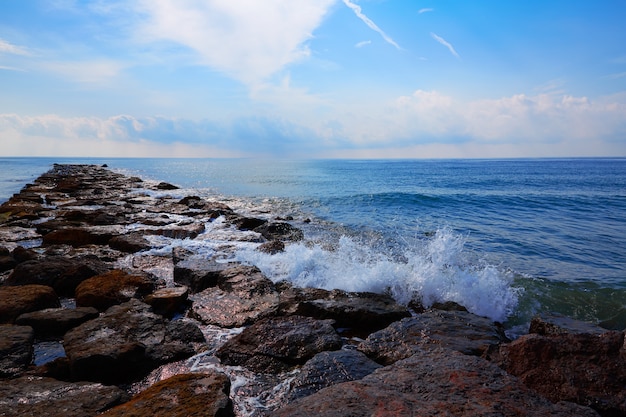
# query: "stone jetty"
107, 309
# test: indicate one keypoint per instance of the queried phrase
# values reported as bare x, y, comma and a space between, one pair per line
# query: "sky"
313, 78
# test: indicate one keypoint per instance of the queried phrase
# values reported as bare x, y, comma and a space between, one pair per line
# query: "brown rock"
272, 247
18, 300
61, 273
436, 382
457, 330
182, 395
196, 272
54, 322
279, 231
16, 349
130, 243
37, 396
77, 236
126, 342
553, 324
589, 369
276, 344
114, 287
168, 301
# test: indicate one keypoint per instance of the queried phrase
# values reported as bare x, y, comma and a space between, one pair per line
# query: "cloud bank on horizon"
312, 78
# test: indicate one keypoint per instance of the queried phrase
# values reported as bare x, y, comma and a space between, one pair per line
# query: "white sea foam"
436, 270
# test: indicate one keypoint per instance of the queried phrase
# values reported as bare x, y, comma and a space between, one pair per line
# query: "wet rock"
553, 324
586, 368
18, 300
16, 349
126, 342
37, 396
248, 223
276, 344
166, 186
279, 231
244, 295
168, 301
7, 262
77, 236
130, 243
196, 394
196, 272
113, 287
362, 312
55, 322
273, 247
436, 382
179, 231
457, 330
329, 368
59, 272
21, 254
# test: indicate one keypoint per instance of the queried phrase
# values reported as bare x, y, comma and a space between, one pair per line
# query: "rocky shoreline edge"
93, 321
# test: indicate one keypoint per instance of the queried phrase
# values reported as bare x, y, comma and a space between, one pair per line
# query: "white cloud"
87, 72
426, 10
359, 13
362, 44
445, 43
9, 48
247, 40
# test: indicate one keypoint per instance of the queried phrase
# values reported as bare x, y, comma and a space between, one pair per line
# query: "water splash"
436, 269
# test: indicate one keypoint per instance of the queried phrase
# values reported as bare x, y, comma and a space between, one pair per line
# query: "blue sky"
313, 78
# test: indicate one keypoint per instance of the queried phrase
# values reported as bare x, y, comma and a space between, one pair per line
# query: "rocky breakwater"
107, 307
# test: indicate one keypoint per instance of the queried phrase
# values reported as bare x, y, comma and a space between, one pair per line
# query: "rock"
329, 368
37, 396
244, 296
130, 243
7, 262
54, 322
586, 368
21, 254
553, 324
457, 330
18, 300
272, 247
16, 349
361, 312
126, 342
77, 236
434, 382
168, 301
59, 272
248, 223
166, 186
196, 394
113, 287
196, 272
279, 231
276, 344
179, 231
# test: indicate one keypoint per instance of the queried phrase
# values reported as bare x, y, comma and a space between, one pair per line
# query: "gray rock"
16, 349
54, 322
458, 330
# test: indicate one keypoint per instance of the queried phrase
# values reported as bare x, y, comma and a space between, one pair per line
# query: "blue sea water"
506, 238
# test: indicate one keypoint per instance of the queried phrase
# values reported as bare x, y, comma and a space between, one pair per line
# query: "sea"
506, 238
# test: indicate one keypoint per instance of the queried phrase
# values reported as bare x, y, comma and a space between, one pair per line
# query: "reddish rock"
130, 243
114, 287
276, 344
553, 324
18, 300
436, 382
61, 273
457, 330
168, 301
77, 236
54, 322
589, 369
197, 394
16, 349
37, 396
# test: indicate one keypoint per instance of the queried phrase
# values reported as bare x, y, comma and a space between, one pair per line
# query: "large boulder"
113, 287
586, 368
77, 236
458, 330
196, 272
329, 368
126, 342
277, 344
37, 396
55, 322
244, 295
433, 382
18, 300
59, 272
195, 394
16, 349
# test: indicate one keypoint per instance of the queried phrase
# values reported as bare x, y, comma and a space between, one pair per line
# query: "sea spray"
437, 269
